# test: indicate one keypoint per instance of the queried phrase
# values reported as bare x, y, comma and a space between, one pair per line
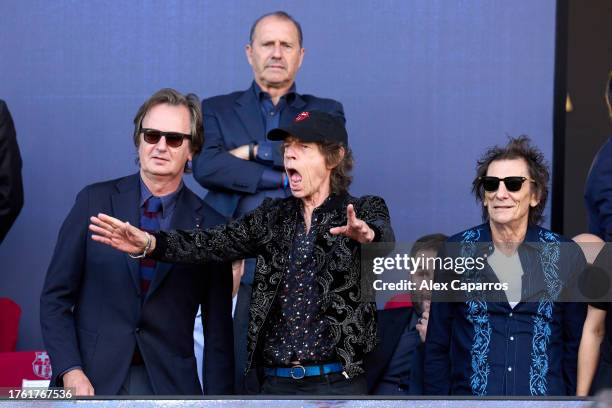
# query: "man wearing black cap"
237, 165
309, 330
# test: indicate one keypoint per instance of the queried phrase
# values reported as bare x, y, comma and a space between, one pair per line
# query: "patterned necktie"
149, 221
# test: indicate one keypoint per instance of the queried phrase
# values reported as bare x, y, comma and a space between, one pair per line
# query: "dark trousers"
241, 326
136, 382
330, 384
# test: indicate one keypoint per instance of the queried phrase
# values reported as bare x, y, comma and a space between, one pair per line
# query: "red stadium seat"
397, 301
23, 365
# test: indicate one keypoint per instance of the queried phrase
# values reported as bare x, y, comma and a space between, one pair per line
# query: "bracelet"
251, 151
146, 249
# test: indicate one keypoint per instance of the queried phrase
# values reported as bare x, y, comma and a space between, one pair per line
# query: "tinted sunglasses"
173, 139
513, 184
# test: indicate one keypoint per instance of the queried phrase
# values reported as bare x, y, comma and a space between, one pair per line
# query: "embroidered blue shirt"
477, 346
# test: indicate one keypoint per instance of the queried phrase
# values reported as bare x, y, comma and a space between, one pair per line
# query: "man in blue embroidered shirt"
517, 338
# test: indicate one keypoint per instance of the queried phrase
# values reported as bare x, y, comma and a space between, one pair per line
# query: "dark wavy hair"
517, 148
341, 178
174, 98
433, 242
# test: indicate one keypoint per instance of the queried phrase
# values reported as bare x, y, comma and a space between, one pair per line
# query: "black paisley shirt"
267, 233
297, 330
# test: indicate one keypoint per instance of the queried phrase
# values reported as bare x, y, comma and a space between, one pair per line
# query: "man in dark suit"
11, 187
598, 191
238, 166
119, 324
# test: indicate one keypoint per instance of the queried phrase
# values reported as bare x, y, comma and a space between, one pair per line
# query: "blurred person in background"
11, 185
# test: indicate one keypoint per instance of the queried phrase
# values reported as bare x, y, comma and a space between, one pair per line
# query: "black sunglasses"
173, 139
512, 184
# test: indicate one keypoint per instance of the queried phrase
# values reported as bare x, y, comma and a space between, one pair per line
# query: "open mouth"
295, 178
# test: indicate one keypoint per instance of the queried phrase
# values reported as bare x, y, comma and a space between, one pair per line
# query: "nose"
502, 191
161, 144
290, 152
276, 51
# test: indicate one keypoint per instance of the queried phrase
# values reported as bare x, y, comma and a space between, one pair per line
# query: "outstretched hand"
120, 235
355, 228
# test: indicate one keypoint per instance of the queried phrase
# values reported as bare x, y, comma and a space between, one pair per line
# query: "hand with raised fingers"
121, 235
355, 228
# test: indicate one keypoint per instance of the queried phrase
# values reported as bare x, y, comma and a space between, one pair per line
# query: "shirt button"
272, 113
511, 338
509, 368
510, 314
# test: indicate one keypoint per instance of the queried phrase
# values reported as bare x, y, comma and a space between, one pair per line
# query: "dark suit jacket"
234, 120
91, 311
11, 187
598, 193
391, 325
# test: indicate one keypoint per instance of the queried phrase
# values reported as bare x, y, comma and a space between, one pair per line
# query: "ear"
248, 50
302, 51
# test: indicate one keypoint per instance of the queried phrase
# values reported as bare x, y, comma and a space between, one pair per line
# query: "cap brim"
278, 134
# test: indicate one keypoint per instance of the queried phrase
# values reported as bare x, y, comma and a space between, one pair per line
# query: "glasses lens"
151, 136
174, 139
490, 183
513, 184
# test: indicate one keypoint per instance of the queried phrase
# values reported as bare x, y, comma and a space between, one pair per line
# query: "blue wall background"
426, 86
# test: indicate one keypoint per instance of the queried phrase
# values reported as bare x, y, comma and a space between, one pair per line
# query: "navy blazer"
234, 120
598, 193
92, 314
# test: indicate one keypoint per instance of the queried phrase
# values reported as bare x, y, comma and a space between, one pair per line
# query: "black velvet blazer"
267, 234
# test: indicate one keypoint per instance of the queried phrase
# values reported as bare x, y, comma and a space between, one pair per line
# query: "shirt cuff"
160, 246
264, 152
69, 369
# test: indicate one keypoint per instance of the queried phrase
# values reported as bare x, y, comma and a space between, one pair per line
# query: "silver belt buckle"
298, 377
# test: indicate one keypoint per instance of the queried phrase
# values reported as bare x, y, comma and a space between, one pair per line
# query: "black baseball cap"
313, 126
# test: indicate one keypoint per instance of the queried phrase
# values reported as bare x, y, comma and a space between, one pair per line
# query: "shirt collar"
260, 94
332, 202
531, 240
168, 201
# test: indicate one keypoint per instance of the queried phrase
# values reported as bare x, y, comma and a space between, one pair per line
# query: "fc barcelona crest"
42, 365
